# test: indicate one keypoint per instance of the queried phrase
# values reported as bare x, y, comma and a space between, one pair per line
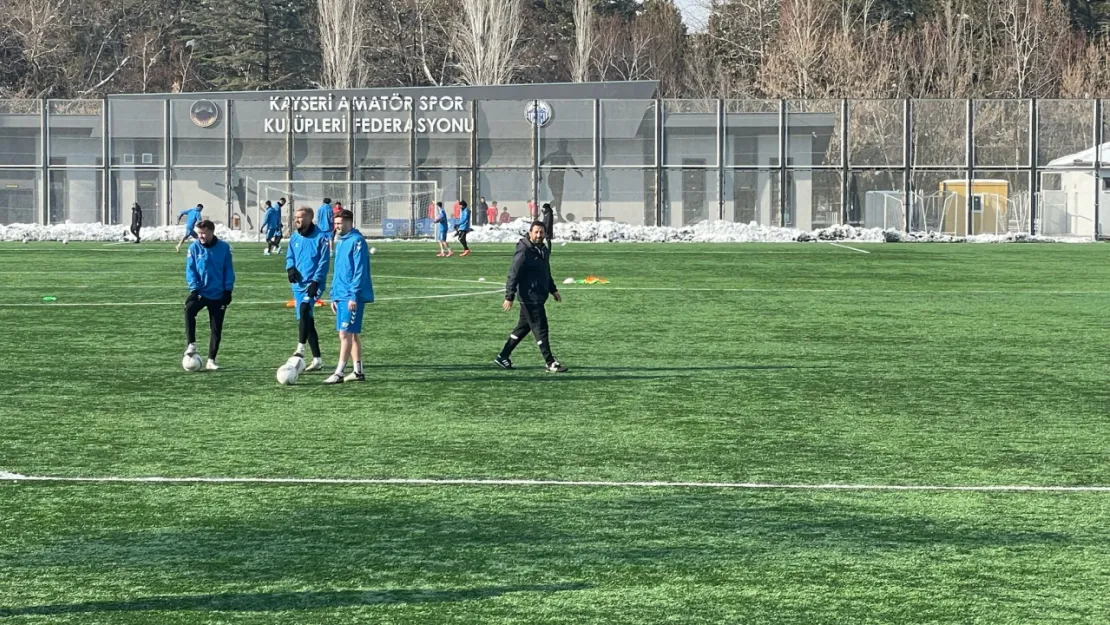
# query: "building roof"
1086, 158
623, 90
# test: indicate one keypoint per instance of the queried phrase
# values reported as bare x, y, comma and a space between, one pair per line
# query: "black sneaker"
555, 367
504, 363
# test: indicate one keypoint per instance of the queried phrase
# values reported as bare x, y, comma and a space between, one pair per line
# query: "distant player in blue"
325, 219
211, 279
307, 258
463, 227
192, 217
351, 290
441, 231
272, 226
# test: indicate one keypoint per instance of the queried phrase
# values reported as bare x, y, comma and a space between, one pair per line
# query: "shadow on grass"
281, 601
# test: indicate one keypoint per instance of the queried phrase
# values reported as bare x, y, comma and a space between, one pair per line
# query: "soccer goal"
382, 208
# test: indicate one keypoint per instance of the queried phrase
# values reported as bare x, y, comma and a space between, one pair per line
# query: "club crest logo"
538, 113
204, 113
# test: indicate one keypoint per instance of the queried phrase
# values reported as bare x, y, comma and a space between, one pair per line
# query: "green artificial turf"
794, 364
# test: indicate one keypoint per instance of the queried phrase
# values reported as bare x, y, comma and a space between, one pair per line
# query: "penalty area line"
17, 477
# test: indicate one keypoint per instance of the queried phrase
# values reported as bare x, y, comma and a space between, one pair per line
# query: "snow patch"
99, 232
731, 232
583, 231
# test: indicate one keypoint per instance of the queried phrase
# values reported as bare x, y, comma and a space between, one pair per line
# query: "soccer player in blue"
307, 258
463, 227
272, 226
192, 216
211, 279
325, 219
351, 290
441, 231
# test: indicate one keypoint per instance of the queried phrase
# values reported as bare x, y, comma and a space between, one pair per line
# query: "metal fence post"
908, 197
1098, 167
782, 162
1034, 182
44, 142
970, 175
844, 172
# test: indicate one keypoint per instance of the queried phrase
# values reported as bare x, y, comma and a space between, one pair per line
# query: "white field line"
849, 247
606, 287
17, 477
272, 303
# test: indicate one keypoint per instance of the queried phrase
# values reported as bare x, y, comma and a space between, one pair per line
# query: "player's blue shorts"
347, 321
190, 234
272, 234
441, 233
300, 296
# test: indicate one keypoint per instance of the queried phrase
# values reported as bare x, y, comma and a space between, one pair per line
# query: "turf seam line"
17, 477
272, 303
849, 247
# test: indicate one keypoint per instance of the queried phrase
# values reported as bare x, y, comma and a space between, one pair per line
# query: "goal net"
382, 208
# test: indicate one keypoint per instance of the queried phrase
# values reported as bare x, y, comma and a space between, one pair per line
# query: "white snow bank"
100, 232
590, 231
730, 232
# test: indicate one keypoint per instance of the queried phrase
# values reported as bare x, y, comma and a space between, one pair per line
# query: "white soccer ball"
373, 250
481, 279
297, 363
287, 374
191, 362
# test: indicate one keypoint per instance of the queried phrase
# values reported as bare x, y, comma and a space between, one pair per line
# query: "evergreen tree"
253, 44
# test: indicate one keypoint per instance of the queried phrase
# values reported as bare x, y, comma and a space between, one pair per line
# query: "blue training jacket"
311, 256
272, 219
208, 269
352, 270
192, 216
325, 218
464, 219
441, 219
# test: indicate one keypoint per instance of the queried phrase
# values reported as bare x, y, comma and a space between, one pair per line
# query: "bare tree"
740, 35
1032, 35
583, 40
486, 36
1088, 73
793, 69
945, 56
41, 29
661, 24
340, 41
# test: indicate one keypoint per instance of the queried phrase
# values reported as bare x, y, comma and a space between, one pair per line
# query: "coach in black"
530, 277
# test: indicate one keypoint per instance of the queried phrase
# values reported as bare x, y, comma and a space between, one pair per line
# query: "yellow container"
989, 206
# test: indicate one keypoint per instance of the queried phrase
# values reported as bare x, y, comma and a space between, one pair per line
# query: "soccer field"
730, 445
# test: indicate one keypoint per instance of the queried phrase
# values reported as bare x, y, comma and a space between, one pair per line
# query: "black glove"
193, 296
294, 275
313, 289
226, 299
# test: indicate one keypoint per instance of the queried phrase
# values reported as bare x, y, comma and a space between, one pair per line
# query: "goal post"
382, 208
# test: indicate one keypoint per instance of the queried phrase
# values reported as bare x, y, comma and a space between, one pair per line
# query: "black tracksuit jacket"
530, 274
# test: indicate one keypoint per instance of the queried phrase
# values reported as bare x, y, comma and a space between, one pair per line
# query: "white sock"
340, 367
191, 347
358, 366
300, 348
